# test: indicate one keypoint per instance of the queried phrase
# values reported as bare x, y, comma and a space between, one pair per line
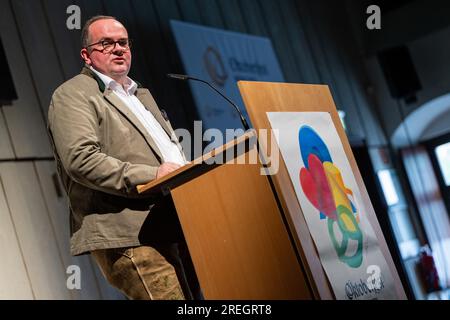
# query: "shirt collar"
130, 85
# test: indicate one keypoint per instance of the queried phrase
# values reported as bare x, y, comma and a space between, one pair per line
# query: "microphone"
184, 77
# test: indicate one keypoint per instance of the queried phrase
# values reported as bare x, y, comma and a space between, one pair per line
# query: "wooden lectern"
234, 229
245, 231
263, 97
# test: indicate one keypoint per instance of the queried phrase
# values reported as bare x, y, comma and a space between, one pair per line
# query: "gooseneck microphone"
184, 77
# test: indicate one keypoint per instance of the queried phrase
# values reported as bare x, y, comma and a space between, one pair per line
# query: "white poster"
331, 202
223, 58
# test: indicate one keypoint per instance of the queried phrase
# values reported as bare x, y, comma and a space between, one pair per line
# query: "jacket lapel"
119, 105
149, 103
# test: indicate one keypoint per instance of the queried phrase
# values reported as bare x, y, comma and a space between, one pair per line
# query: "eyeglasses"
109, 45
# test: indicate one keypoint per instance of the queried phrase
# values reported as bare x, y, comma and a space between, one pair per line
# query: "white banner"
223, 58
332, 205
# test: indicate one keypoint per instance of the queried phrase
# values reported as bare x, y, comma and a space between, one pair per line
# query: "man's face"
115, 64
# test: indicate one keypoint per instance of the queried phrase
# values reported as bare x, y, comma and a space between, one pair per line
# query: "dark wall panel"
189, 11
309, 38
232, 15
67, 43
210, 13
180, 106
39, 48
253, 18
276, 27
299, 43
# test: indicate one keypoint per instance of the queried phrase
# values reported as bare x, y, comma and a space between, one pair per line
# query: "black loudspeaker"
7, 90
399, 72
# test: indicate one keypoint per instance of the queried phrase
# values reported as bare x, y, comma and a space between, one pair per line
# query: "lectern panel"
236, 236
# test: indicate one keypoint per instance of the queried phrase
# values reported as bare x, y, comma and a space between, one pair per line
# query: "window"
387, 184
342, 117
443, 157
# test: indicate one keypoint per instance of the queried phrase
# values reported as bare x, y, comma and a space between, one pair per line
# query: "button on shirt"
169, 150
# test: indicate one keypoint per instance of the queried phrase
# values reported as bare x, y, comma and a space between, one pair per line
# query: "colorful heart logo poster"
332, 205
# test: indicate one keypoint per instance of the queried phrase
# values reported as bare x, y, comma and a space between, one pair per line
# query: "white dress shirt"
169, 150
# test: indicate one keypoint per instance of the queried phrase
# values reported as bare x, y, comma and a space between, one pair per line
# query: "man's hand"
166, 168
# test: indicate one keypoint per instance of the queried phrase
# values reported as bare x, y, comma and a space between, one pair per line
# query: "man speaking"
108, 137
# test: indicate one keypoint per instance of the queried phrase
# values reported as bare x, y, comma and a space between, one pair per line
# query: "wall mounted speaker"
399, 72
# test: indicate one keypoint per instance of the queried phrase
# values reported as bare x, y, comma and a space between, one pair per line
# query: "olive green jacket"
103, 152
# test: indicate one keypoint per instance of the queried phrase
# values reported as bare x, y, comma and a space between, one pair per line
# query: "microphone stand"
186, 77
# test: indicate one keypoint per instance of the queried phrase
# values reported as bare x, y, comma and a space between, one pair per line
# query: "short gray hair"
85, 30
